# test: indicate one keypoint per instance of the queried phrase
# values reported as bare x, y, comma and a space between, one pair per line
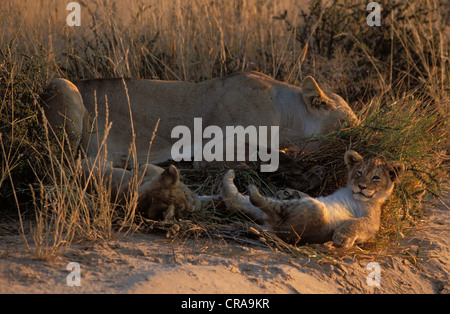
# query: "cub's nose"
362, 186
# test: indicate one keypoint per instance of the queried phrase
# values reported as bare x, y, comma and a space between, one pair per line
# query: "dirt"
151, 263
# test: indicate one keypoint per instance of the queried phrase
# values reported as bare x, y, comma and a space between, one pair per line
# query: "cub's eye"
358, 173
376, 178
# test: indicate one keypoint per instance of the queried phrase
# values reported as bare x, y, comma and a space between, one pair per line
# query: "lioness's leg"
102, 173
64, 108
236, 201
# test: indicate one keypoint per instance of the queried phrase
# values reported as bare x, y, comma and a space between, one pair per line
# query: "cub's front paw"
343, 240
289, 194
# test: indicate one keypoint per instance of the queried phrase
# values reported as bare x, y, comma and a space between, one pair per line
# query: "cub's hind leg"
303, 219
236, 201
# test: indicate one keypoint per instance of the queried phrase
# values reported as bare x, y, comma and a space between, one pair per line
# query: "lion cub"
348, 216
161, 195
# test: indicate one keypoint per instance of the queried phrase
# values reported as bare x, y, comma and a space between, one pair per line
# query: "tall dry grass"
186, 40
73, 199
395, 76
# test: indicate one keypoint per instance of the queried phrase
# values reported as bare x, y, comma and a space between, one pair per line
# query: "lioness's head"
372, 179
162, 198
330, 107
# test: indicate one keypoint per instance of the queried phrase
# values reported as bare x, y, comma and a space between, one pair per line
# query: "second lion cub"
348, 216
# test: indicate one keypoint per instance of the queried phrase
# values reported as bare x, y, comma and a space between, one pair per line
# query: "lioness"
242, 99
350, 215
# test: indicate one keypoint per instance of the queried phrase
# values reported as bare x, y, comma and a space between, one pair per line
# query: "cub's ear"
170, 177
314, 97
396, 170
352, 158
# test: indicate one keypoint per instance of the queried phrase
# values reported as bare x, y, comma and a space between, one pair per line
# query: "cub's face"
372, 179
162, 198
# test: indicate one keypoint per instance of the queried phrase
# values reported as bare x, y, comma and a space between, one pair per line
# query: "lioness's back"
244, 99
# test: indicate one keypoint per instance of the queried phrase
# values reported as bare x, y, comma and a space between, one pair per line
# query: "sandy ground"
151, 263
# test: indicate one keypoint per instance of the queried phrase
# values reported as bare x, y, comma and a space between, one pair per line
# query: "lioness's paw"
343, 240
122, 160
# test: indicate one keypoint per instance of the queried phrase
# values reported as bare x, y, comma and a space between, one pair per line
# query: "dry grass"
395, 76
71, 202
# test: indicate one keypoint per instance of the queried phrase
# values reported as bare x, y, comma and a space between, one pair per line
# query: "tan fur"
350, 215
241, 99
93, 110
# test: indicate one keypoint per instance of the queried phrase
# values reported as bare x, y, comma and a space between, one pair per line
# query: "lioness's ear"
314, 97
170, 177
396, 170
352, 158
